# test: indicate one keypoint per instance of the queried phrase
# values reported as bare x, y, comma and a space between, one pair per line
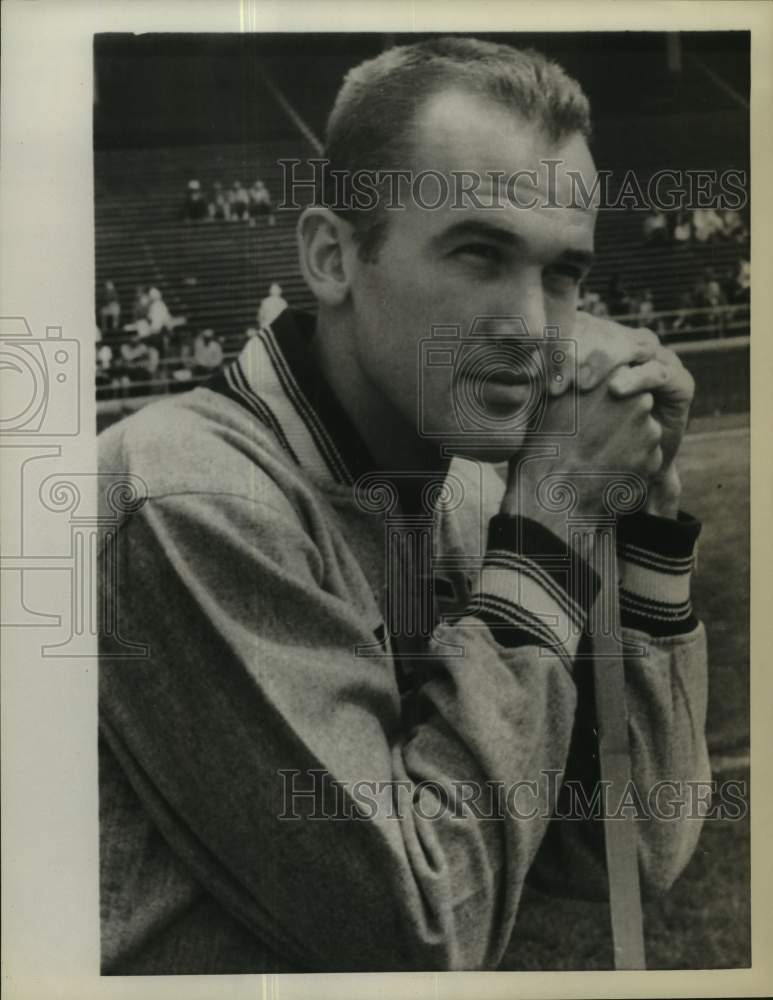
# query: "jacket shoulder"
198, 442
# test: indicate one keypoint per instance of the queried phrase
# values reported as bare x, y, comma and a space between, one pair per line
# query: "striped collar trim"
276, 379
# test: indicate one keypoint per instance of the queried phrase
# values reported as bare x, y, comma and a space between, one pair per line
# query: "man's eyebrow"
471, 228
474, 227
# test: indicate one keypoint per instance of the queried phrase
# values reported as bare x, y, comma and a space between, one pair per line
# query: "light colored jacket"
256, 576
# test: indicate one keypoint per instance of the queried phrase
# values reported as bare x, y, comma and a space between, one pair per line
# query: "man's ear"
323, 241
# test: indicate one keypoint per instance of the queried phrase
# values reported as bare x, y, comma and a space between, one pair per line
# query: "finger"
599, 362
643, 403
628, 380
680, 384
654, 461
668, 356
647, 448
653, 432
647, 336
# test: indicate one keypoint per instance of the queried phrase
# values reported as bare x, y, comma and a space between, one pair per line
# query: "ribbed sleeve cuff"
532, 587
655, 560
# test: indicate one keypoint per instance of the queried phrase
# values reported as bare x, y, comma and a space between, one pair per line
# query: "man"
286, 777
110, 310
271, 306
207, 353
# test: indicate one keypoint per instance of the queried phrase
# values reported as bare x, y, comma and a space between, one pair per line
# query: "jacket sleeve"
665, 663
252, 694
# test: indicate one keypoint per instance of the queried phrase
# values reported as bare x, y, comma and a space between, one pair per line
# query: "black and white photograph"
370, 309
411, 577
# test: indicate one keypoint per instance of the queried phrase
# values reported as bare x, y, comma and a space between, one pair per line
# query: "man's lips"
508, 377
502, 377
496, 393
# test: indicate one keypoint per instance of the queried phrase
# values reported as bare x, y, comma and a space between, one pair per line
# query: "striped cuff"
532, 587
655, 559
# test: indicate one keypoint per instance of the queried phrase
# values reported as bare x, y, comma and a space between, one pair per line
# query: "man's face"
450, 266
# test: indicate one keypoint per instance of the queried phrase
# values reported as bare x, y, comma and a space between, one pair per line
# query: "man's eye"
479, 251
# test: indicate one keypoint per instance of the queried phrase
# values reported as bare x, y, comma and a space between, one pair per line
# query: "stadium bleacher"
213, 273
216, 273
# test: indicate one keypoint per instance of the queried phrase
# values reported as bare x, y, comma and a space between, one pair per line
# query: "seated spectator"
592, 303
271, 307
714, 294
219, 206
141, 303
682, 322
743, 281
733, 226
140, 327
159, 317
239, 202
587, 300
139, 361
655, 226
599, 308
707, 225
631, 314
617, 297
261, 203
157, 323
727, 281
715, 300
708, 295
207, 353
682, 232
737, 291
104, 359
644, 317
110, 310
195, 208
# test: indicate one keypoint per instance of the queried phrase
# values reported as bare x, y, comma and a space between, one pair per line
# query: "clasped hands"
629, 400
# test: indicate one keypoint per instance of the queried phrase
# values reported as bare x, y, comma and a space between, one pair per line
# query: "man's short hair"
370, 126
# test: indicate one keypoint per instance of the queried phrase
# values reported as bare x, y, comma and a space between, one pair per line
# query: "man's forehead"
501, 153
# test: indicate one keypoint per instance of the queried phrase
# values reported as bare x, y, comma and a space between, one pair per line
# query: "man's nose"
528, 302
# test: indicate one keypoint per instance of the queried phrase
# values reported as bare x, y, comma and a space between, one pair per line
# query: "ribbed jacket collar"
275, 377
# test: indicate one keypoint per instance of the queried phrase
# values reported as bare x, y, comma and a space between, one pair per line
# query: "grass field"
704, 921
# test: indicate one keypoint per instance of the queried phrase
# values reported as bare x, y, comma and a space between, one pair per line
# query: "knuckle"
655, 460
644, 402
654, 431
669, 356
646, 338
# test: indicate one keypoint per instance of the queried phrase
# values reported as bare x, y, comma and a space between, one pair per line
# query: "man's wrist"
533, 587
656, 556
